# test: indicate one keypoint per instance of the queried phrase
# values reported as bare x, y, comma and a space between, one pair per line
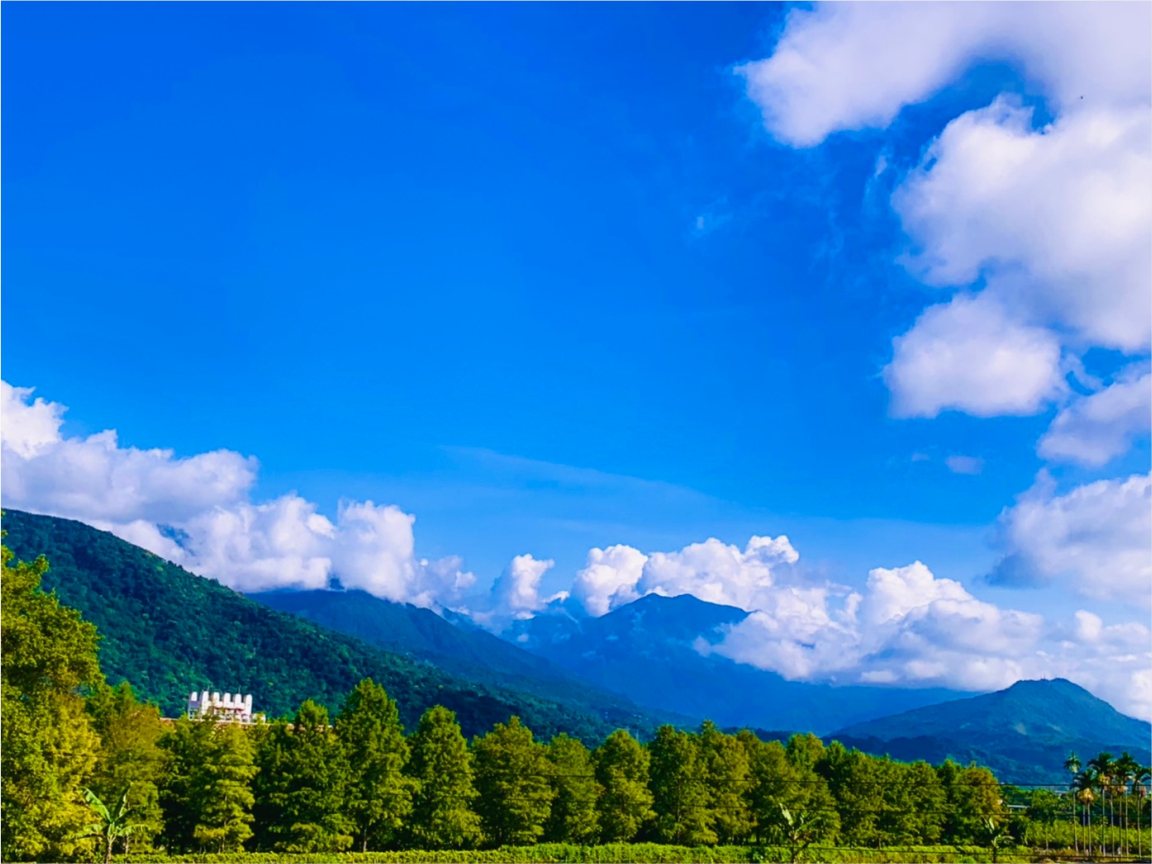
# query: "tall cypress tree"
680, 796
573, 818
442, 815
182, 787
625, 806
728, 778
225, 817
512, 781
379, 798
303, 780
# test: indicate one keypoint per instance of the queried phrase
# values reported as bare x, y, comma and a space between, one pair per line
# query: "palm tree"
112, 824
1085, 784
1072, 763
1140, 782
1104, 767
1126, 769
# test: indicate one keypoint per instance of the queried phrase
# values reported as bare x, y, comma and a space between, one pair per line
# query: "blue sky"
547, 277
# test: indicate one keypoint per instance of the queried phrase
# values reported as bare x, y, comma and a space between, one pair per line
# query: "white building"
229, 708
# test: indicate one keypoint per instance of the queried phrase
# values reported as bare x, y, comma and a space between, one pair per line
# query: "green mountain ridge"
1023, 733
169, 632
468, 652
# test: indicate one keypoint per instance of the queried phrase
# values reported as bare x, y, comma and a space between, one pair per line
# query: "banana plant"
995, 835
113, 824
798, 830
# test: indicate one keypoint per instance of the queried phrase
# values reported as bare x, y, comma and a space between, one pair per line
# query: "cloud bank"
198, 512
906, 627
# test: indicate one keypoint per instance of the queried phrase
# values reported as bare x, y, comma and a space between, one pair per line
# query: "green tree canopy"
225, 817
680, 794
728, 774
130, 757
379, 798
442, 815
625, 805
47, 744
512, 781
301, 786
573, 818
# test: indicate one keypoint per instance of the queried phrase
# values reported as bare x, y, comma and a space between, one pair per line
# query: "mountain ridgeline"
466, 651
648, 650
169, 632
1023, 733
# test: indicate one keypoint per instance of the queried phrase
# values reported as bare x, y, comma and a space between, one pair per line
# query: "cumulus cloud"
905, 627
847, 66
969, 355
908, 627
1092, 430
609, 578
198, 512
1051, 225
1095, 538
516, 592
713, 571
1057, 219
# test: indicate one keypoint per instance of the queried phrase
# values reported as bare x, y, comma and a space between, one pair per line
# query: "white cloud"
1095, 537
718, 572
197, 511
29, 426
94, 478
516, 591
1052, 225
1057, 220
853, 66
713, 571
969, 355
964, 464
609, 578
1093, 430
911, 628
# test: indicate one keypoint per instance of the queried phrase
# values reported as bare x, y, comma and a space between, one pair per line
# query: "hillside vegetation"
170, 632
460, 649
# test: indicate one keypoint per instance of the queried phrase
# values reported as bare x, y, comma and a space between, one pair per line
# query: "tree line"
89, 769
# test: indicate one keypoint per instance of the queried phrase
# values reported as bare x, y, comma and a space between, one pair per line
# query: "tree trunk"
108, 840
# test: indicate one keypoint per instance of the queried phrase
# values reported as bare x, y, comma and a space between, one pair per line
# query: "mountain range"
169, 632
466, 651
647, 649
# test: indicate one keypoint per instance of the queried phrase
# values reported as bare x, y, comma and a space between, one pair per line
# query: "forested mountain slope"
1023, 733
170, 632
463, 649
647, 651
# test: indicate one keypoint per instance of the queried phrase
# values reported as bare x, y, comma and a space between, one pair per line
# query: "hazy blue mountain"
169, 632
645, 650
1023, 733
460, 648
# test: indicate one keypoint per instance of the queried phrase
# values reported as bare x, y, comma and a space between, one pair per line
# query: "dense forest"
90, 771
